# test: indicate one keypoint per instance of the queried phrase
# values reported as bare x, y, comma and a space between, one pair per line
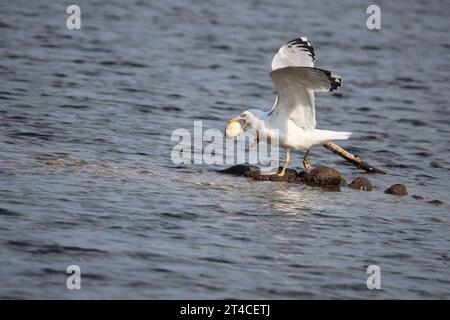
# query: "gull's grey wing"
298, 52
295, 53
295, 88
310, 78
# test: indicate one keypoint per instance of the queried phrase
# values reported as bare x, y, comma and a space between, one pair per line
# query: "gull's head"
239, 124
245, 118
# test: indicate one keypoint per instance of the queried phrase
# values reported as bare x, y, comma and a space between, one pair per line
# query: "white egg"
233, 129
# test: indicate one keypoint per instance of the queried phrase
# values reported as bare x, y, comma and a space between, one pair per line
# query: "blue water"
86, 178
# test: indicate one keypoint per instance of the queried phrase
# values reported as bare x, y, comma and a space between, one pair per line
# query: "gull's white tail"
325, 136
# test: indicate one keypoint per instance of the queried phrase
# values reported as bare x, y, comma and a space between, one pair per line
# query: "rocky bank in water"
323, 177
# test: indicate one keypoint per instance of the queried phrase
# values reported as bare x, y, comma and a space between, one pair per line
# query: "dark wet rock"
302, 174
290, 175
323, 177
435, 202
252, 173
397, 189
361, 183
415, 196
239, 169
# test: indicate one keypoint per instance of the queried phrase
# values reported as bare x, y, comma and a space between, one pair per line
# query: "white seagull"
292, 119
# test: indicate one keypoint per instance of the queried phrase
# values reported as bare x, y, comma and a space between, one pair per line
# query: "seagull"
292, 120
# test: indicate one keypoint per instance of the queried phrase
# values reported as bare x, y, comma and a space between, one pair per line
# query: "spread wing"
295, 88
295, 80
298, 52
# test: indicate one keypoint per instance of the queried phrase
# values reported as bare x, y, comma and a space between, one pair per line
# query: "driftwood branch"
351, 158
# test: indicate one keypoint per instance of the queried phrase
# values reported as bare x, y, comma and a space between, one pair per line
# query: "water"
86, 178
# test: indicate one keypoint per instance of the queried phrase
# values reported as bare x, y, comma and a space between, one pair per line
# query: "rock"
320, 176
323, 177
397, 189
361, 183
239, 169
302, 174
435, 202
6, 212
290, 176
415, 196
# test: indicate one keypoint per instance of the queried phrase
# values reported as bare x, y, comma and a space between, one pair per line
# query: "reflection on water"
86, 178
294, 201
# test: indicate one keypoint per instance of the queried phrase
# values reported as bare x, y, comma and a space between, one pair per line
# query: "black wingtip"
303, 43
335, 81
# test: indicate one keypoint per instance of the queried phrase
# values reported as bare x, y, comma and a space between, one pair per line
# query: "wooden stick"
351, 158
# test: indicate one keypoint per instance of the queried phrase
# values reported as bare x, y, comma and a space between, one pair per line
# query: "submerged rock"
361, 183
435, 202
397, 189
239, 169
324, 177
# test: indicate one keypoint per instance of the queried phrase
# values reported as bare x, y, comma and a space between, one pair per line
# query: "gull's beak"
237, 119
